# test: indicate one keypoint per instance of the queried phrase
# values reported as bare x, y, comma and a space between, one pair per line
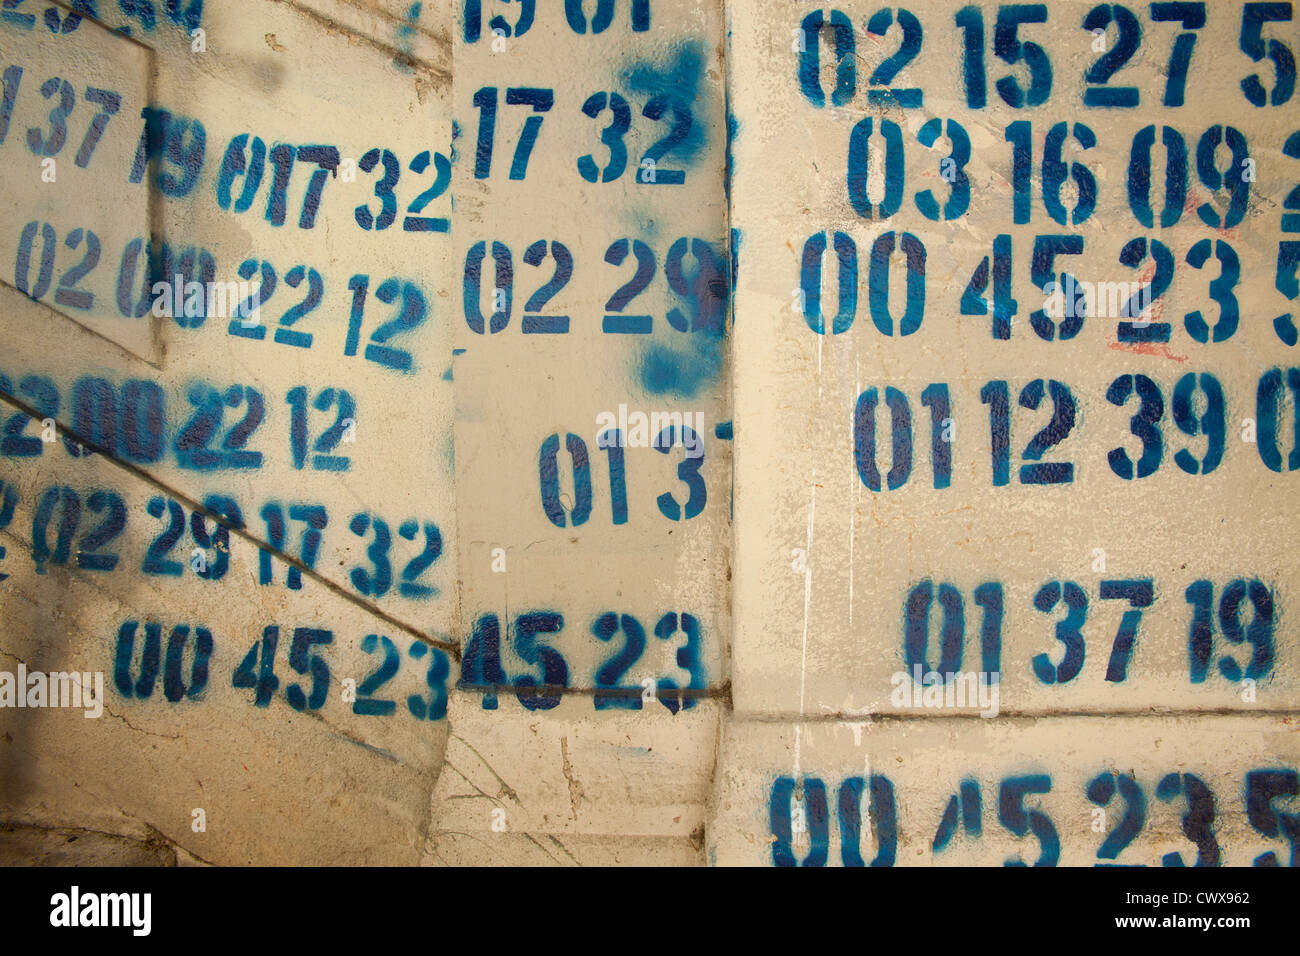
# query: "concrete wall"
557, 508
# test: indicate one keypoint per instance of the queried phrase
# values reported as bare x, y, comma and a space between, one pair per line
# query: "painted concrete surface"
636, 455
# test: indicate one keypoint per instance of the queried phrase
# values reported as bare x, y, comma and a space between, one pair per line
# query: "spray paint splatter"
679, 81
404, 34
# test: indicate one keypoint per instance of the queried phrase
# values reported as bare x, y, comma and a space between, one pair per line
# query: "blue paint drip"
736, 236
733, 127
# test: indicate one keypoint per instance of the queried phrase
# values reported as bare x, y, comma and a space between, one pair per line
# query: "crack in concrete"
240, 531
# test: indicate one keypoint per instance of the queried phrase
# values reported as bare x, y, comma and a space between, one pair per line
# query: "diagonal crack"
333, 587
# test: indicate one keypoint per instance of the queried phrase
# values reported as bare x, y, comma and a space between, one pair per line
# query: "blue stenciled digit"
1262, 788
281, 157
1268, 402
150, 656
917, 630
1009, 48
442, 179
780, 817
535, 255
548, 470
809, 64
1290, 219
9, 83
1140, 593
1100, 791
1099, 74
1067, 631
285, 334
882, 250
541, 101
688, 471
174, 686
706, 292
218, 540
908, 50
367, 705
414, 310
44, 398
864, 438
973, 301
261, 655
996, 395
49, 144
326, 158
111, 505
375, 582
1192, 17
935, 398
611, 672
67, 294
235, 164
480, 668
650, 170
810, 282
1144, 425
688, 659
1054, 172
1020, 135
1287, 281
555, 672
610, 441
1063, 415
436, 678
1253, 18
645, 272
383, 191
1212, 422
155, 559
882, 810
859, 164
1259, 634
1139, 176
502, 291
611, 136
1235, 179
972, 815
1140, 304
1197, 823
410, 586
132, 253
1220, 291
952, 169
95, 412
1043, 274
971, 22
1015, 818
23, 261
303, 661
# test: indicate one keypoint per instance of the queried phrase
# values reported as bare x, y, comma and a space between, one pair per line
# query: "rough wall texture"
667, 432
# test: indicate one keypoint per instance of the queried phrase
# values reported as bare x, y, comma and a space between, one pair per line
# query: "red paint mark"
1194, 202
1158, 349
1145, 277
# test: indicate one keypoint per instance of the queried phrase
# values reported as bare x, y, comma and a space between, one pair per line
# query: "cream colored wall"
795, 585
